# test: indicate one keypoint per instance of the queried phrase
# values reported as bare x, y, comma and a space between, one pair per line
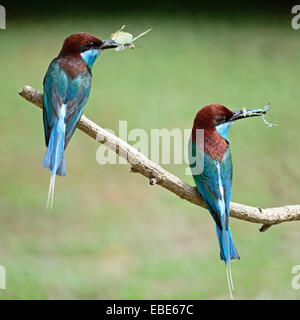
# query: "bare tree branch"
157, 175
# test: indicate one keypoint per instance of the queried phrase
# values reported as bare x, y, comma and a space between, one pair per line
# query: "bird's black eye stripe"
89, 46
220, 120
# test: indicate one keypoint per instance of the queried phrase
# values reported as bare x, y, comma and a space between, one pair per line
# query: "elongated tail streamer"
54, 159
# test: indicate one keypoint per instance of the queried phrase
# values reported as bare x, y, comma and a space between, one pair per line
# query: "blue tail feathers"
227, 248
227, 252
54, 159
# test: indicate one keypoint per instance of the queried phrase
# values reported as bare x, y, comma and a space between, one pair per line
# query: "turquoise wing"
55, 92
226, 177
208, 180
78, 93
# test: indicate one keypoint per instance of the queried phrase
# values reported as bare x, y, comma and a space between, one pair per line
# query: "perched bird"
211, 166
67, 85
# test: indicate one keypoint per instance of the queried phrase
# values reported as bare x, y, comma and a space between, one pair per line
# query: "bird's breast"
73, 65
214, 144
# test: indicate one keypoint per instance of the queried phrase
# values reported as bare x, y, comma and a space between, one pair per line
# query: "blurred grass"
111, 235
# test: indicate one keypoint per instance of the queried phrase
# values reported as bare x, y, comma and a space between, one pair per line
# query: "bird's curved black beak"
108, 44
247, 113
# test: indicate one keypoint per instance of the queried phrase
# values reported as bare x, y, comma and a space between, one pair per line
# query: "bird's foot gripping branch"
157, 175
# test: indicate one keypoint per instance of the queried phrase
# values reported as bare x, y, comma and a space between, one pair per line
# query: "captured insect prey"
125, 40
269, 125
259, 112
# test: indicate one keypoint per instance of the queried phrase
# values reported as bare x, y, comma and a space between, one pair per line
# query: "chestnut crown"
211, 116
79, 42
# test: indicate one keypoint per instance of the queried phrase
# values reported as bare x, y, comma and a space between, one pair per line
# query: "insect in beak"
125, 39
247, 113
108, 44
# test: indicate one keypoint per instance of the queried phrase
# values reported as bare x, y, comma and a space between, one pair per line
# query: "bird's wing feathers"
74, 113
79, 93
55, 91
207, 184
60, 89
226, 177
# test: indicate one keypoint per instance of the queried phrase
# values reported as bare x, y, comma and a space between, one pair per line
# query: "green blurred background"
111, 235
